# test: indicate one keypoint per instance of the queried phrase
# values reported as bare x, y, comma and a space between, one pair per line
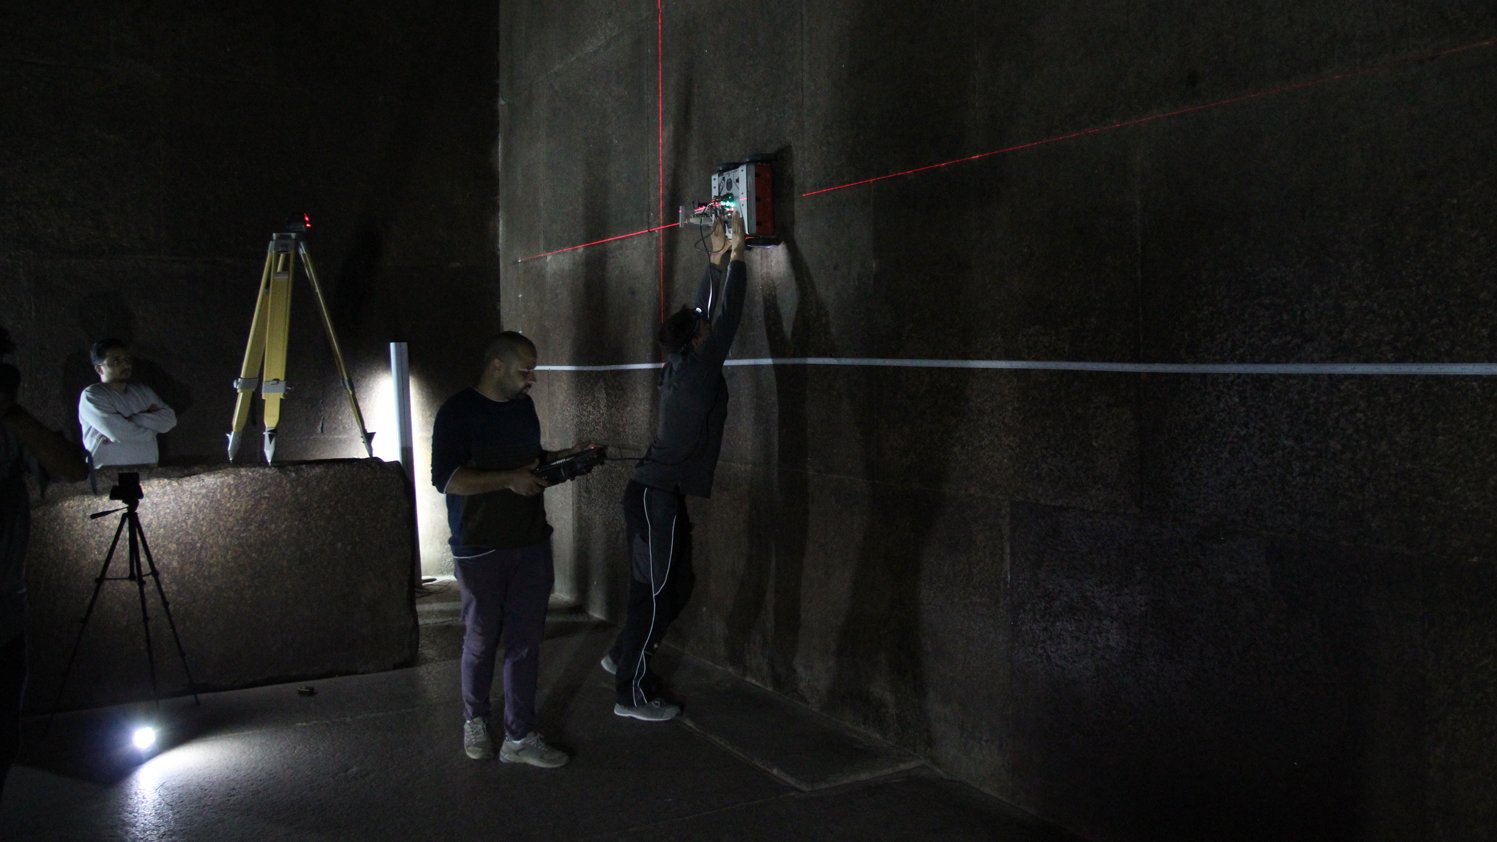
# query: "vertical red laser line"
660, 140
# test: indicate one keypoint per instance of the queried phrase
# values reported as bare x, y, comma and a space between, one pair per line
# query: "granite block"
269, 573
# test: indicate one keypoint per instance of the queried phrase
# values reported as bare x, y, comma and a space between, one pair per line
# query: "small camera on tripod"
127, 489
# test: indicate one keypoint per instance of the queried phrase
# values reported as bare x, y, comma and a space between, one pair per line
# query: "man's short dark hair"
507, 345
676, 332
100, 350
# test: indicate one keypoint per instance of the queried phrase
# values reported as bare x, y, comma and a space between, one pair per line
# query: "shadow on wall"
879, 674
880, 678
585, 310
109, 316
360, 296
101, 316
178, 396
779, 508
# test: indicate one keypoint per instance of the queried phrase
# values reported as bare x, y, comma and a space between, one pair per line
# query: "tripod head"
297, 225
127, 490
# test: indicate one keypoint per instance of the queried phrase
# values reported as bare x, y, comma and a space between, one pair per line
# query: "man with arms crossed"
121, 418
484, 445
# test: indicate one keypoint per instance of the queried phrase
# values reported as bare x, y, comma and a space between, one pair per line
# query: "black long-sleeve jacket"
694, 394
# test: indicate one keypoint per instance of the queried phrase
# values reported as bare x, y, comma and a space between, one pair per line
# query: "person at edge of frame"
26, 446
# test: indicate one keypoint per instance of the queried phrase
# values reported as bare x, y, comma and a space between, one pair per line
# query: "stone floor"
380, 757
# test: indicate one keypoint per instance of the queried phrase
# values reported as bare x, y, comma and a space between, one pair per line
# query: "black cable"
703, 243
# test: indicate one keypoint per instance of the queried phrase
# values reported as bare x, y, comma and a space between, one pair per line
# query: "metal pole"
400, 380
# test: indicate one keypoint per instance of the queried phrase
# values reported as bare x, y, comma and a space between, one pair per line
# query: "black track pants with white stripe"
661, 579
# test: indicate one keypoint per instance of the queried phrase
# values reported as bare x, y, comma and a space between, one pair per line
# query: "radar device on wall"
746, 188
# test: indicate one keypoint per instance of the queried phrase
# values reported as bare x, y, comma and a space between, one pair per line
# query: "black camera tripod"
128, 491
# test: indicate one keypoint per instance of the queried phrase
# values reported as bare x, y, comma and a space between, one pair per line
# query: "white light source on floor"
144, 737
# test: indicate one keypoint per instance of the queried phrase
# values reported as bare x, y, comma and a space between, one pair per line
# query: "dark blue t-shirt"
472, 431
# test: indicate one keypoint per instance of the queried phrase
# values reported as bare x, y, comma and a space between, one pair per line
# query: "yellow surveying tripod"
267, 339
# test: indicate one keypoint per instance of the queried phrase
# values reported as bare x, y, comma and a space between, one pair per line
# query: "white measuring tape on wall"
1380, 369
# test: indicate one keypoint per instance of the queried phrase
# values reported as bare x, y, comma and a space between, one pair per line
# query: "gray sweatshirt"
694, 395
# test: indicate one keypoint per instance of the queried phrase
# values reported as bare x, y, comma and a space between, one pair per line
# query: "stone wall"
1145, 603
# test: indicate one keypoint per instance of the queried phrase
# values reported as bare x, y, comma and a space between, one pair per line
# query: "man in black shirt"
484, 445
681, 461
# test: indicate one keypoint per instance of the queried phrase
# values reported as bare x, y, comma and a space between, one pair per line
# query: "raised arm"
730, 308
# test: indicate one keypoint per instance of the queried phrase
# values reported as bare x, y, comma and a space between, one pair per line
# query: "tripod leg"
139, 579
83, 624
332, 341
277, 328
166, 606
254, 355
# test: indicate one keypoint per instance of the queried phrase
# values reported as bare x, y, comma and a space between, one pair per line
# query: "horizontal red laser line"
600, 242
1138, 121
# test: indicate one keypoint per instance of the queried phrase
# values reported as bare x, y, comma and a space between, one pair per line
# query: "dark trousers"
661, 579
504, 593
12, 692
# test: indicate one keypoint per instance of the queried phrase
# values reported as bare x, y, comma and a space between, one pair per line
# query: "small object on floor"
653, 710
306, 691
608, 665
532, 750
476, 742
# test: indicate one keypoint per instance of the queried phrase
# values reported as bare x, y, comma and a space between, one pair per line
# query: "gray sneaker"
653, 710
476, 741
533, 750
608, 665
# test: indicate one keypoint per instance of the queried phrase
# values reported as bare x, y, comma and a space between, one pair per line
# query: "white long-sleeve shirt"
119, 428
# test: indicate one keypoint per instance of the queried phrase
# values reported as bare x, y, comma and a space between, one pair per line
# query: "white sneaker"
476, 741
533, 750
652, 710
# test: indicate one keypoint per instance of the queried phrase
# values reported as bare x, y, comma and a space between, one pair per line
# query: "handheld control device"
567, 468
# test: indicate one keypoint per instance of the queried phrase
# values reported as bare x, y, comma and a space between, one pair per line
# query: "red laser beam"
660, 139
1138, 121
599, 242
